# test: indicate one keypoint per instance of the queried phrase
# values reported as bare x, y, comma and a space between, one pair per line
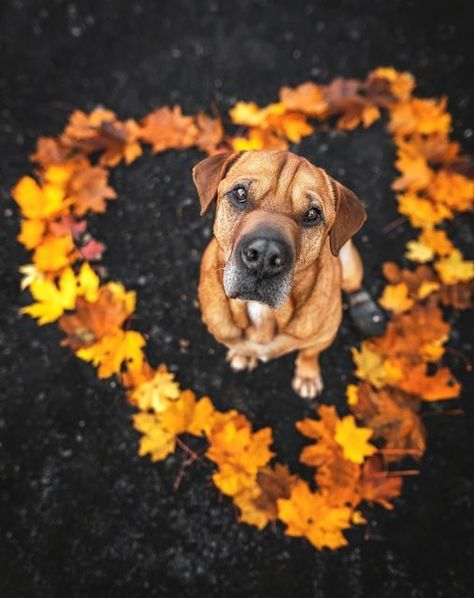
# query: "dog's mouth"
273, 291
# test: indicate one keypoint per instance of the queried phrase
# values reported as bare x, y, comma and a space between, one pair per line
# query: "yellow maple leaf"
454, 268
31, 233
37, 202
354, 440
155, 440
292, 125
238, 452
156, 394
250, 115
258, 139
422, 212
202, 418
452, 189
54, 253
371, 366
111, 351
178, 414
419, 252
308, 514
395, 298
52, 300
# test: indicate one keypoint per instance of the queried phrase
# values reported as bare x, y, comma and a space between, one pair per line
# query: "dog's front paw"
240, 362
308, 387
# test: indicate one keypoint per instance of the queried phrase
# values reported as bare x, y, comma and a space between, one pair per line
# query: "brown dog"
271, 278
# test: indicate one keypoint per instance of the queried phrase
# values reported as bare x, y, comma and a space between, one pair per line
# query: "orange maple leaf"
168, 128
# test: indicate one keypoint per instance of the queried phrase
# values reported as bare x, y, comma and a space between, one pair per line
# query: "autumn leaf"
88, 190
111, 351
395, 298
31, 233
371, 366
54, 253
454, 268
258, 503
419, 252
210, 133
354, 440
394, 418
238, 452
430, 243
250, 115
154, 439
258, 139
156, 394
421, 211
50, 151
420, 116
168, 128
37, 202
101, 131
308, 514
51, 299
436, 387
453, 190
307, 98
400, 84
97, 314
178, 414
416, 174
377, 485
202, 419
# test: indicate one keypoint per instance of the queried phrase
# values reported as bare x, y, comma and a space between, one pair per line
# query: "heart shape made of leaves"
397, 372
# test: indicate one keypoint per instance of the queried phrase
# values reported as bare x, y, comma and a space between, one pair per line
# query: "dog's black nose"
264, 257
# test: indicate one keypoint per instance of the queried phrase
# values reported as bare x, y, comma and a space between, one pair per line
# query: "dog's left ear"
350, 216
207, 175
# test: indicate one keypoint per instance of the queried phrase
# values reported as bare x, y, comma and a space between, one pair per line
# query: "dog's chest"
257, 312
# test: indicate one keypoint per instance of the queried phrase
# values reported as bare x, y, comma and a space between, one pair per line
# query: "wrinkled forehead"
283, 178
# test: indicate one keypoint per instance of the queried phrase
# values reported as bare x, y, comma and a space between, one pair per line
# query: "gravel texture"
81, 514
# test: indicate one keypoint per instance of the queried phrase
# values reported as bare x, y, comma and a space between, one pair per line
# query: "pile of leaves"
352, 456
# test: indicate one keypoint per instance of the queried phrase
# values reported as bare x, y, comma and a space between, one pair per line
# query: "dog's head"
274, 212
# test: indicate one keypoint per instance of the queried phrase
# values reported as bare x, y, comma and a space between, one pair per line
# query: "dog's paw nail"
308, 388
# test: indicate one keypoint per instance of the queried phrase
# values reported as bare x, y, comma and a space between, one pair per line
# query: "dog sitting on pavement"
271, 278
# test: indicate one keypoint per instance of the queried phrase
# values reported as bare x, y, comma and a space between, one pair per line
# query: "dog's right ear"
207, 175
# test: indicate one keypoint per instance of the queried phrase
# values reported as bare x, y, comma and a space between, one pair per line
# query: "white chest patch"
256, 311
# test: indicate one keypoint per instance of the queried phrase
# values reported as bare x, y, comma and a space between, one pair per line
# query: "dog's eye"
239, 194
312, 217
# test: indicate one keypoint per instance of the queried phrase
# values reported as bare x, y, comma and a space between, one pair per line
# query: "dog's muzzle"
260, 268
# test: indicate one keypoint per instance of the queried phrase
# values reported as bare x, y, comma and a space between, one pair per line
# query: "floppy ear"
207, 175
350, 216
